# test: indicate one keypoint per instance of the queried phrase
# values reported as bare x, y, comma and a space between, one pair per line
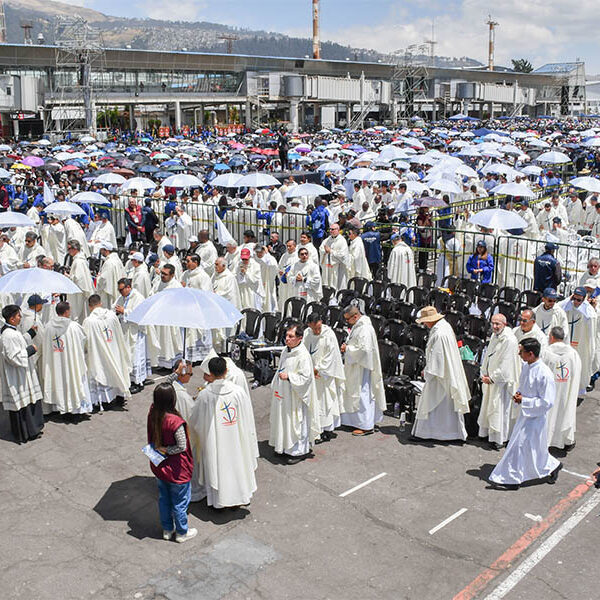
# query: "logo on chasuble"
230, 414
58, 345
562, 373
109, 334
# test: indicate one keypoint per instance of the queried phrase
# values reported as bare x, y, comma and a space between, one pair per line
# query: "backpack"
263, 371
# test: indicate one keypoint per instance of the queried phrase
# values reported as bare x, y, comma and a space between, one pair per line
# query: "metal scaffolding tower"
410, 78
80, 60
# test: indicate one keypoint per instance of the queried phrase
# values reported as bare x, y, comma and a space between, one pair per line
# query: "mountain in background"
119, 32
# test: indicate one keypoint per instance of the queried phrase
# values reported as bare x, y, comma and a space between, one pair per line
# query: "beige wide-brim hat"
429, 314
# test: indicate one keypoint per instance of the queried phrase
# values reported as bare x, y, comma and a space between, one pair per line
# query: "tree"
522, 65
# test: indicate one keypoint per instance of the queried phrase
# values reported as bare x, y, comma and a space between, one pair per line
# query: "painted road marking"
504, 562
362, 485
536, 518
576, 474
509, 583
448, 520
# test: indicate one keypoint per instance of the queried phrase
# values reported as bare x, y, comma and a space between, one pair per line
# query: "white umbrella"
330, 166
90, 198
590, 184
416, 187
36, 281
15, 219
87, 139
469, 151
531, 170
110, 179
227, 180
514, 189
182, 181
445, 185
308, 189
186, 307
64, 208
256, 180
384, 175
4, 174
141, 184
498, 218
360, 174
553, 158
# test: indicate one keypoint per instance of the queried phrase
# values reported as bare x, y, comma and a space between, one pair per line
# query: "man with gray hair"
593, 271
80, 275
31, 250
364, 397
529, 328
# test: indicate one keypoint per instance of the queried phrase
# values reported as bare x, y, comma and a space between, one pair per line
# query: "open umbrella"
15, 219
553, 158
383, 175
227, 180
308, 189
514, 189
360, 174
498, 218
331, 166
110, 179
182, 181
445, 185
90, 198
141, 184
257, 180
33, 161
36, 281
590, 184
64, 208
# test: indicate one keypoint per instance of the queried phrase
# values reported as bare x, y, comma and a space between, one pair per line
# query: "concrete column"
201, 116
294, 115
131, 117
177, 105
227, 119
94, 119
348, 114
248, 115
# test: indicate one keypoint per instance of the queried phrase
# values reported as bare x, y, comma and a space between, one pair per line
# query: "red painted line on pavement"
503, 562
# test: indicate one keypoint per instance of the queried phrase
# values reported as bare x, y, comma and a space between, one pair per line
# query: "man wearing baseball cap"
546, 269
548, 314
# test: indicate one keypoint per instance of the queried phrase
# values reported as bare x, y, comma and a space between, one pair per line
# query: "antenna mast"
492, 25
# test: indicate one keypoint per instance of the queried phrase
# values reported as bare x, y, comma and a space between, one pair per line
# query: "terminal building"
42, 90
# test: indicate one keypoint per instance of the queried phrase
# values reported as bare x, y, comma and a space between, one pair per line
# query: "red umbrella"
70, 168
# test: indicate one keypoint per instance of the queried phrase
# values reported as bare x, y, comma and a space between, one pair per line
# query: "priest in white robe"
549, 314
170, 342
108, 355
527, 457
268, 270
111, 271
500, 373
57, 239
286, 262
74, 231
222, 425
225, 284
207, 252
171, 258
9, 259
565, 364
335, 258
79, 273
528, 328
358, 266
330, 378
305, 277
401, 263
294, 420
21, 393
139, 275
445, 396
103, 232
305, 242
64, 370
364, 397
30, 251
250, 283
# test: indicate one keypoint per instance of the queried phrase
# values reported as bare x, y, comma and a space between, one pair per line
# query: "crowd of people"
413, 196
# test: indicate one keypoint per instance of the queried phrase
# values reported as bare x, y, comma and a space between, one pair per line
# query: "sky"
539, 30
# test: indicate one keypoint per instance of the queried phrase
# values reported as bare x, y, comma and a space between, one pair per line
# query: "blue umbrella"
148, 169
221, 167
237, 161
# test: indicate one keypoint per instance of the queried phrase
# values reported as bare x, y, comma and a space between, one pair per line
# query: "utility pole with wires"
492, 25
315, 20
432, 43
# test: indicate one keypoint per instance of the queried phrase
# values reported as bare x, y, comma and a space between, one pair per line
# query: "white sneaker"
191, 533
167, 535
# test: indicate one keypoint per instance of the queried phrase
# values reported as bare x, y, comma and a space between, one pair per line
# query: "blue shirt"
372, 243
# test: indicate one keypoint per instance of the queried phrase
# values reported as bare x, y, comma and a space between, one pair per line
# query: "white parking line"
448, 520
362, 485
509, 583
576, 474
536, 518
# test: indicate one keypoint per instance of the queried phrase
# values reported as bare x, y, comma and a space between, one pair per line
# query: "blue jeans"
173, 501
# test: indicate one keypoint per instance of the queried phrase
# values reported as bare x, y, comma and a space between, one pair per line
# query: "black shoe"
294, 460
321, 439
495, 446
569, 447
554, 475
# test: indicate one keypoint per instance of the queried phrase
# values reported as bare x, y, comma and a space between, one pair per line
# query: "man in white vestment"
548, 314
286, 262
574, 209
322, 345
104, 232
249, 279
364, 397
582, 319
401, 263
179, 226
171, 258
170, 341
161, 241
335, 259
222, 425
74, 231
500, 373
268, 271
108, 356
358, 267
139, 275
225, 284
445, 396
79, 273
294, 420
527, 455
57, 240
21, 393
232, 255
305, 242
305, 276
135, 335
207, 252
198, 342
111, 271
31, 250
528, 328
565, 364
63, 366
9, 259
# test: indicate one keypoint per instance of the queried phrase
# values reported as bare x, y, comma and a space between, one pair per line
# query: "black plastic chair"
426, 280
476, 325
328, 293
378, 323
294, 307
475, 344
417, 295
314, 307
237, 345
472, 373
385, 307
365, 303
470, 287
450, 281
508, 294
333, 316
395, 291
508, 309
455, 319
345, 297
488, 291
418, 335
413, 362
359, 284
440, 299
396, 331
377, 288
460, 302
388, 356
529, 299
405, 311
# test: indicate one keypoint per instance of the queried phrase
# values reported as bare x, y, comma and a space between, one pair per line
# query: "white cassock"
222, 423
535, 332
57, 242
582, 332
311, 286
111, 271
401, 265
250, 284
182, 230
74, 231
234, 373
502, 365
63, 367
527, 455
547, 319
358, 267
170, 341
286, 290
564, 362
327, 360
140, 279
108, 356
268, 271
449, 255
164, 241
364, 397
9, 259
135, 338
575, 213
294, 421
313, 253
198, 342
225, 284
232, 259
175, 262
208, 254
445, 396
104, 232
335, 263
29, 255
80, 275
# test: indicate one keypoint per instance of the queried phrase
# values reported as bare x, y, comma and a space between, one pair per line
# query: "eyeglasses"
165, 273
578, 300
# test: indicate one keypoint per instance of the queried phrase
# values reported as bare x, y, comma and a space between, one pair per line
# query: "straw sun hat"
429, 314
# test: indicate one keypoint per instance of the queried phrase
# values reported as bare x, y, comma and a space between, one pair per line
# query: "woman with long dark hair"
481, 264
167, 432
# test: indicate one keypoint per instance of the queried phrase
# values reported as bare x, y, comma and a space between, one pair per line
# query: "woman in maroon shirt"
167, 432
